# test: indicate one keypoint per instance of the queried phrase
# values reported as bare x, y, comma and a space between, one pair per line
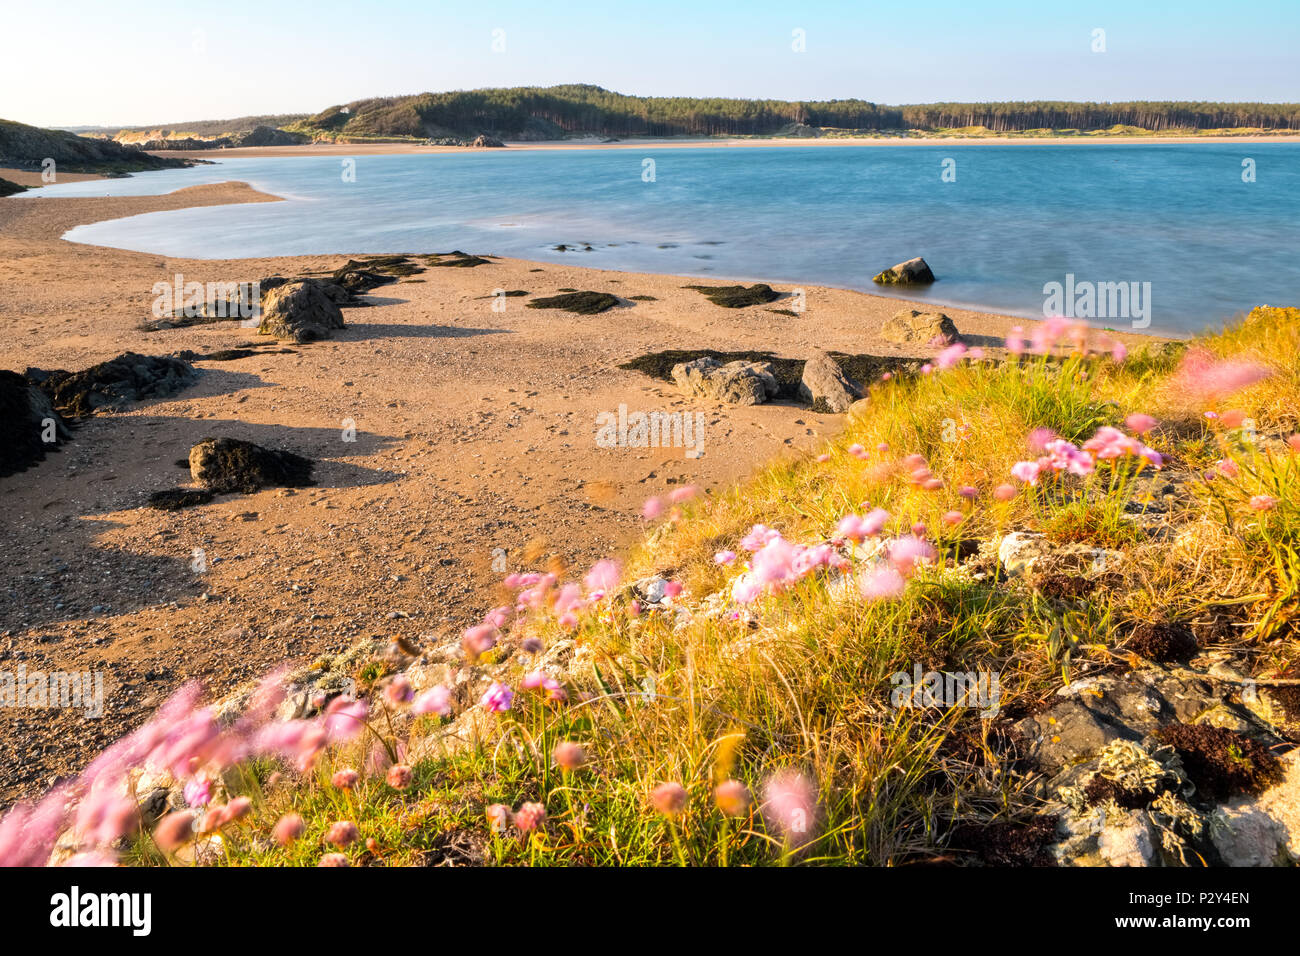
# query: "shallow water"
1013, 220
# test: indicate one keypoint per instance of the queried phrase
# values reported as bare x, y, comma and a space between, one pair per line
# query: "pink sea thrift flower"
174, 830
342, 833
287, 829
1140, 424
1016, 340
529, 816
668, 798
1262, 502
435, 700
1004, 492
881, 584
602, 577
1228, 467
497, 698
790, 805
1065, 456
569, 756
345, 779
333, 859
652, 509
399, 776
724, 557
398, 691
685, 493
732, 798
498, 815
949, 356
953, 518
198, 792
969, 492
478, 639
1202, 376
909, 552
345, 718
857, 451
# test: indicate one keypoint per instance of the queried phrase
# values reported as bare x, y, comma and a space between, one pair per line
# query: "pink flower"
498, 815
342, 833
772, 564
478, 639
533, 680
857, 451
399, 776
855, 528
1119, 351
881, 584
652, 509
672, 589
90, 858
679, 495
174, 830
198, 792
668, 799
1004, 492
529, 816
927, 368
953, 518
569, 756
908, 552
1294, 443
287, 829
1229, 467
345, 718
1026, 471
435, 700
758, 536
1065, 456
602, 577
724, 557
555, 693
1203, 376
398, 691
345, 779
949, 356
497, 698
333, 859
1016, 340
823, 458
1139, 423
790, 805
970, 492
1262, 502
532, 645
732, 798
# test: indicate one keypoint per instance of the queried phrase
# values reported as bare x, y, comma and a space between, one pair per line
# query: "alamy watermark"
979, 689
1075, 299
218, 300
626, 429
39, 689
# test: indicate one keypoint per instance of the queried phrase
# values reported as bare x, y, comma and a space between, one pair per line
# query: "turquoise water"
1016, 217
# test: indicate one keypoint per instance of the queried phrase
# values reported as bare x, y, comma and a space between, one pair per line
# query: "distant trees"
578, 108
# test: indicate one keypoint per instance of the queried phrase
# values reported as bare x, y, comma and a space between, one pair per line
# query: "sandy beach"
475, 441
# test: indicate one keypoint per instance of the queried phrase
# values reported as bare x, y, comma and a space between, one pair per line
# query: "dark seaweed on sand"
174, 499
737, 296
22, 426
583, 303
1222, 762
234, 465
130, 377
643, 298
457, 260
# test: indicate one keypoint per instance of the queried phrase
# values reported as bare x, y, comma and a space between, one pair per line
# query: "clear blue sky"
88, 62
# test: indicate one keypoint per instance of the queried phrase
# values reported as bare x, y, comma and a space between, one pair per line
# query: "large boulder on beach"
300, 310
912, 272
736, 383
910, 327
115, 384
824, 384
487, 141
229, 464
29, 425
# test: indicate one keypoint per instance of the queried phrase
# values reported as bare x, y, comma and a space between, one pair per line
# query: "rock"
114, 384
174, 499
912, 272
27, 418
8, 189
910, 327
300, 310
487, 141
1126, 839
1244, 835
1027, 552
738, 383
228, 464
825, 382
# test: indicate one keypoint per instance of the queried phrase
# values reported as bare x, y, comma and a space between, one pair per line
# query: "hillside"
27, 147
531, 113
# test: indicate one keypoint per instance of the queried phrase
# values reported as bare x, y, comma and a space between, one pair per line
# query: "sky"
149, 62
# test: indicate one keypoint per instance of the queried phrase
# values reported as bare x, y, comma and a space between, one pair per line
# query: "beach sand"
475, 431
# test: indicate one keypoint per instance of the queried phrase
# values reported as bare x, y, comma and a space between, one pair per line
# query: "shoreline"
475, 437
379, 149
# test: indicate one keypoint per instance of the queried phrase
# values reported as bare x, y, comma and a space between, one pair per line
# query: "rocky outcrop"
300, 310
911, 327
912, 272
485, 141
29, 425
737, 383
825, 385
8, 189
112, 385
228, 464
